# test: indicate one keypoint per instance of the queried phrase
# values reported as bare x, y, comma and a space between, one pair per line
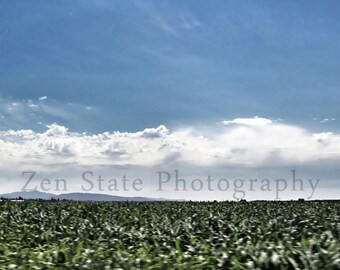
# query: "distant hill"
28, 195
75, 197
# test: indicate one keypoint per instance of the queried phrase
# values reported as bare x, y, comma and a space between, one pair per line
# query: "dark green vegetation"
170, 235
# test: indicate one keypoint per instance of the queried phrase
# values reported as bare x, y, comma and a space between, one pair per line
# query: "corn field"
170, 235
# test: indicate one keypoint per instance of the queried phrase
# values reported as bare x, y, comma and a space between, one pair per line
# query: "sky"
224, 88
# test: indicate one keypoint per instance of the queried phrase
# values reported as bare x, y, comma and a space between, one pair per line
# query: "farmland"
170, 235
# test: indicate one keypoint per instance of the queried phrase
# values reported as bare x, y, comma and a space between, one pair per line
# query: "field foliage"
170, 235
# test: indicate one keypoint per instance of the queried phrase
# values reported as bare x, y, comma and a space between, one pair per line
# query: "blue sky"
239, 87
140, 64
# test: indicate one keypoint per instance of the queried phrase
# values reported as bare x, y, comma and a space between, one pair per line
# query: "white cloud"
22, 112
159, 132
231, 151
254, 144
323, 121
54, 130
327, 120
43, 98
255, 121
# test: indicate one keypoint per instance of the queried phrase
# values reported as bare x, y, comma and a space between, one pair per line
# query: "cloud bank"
238, 148
241, 141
